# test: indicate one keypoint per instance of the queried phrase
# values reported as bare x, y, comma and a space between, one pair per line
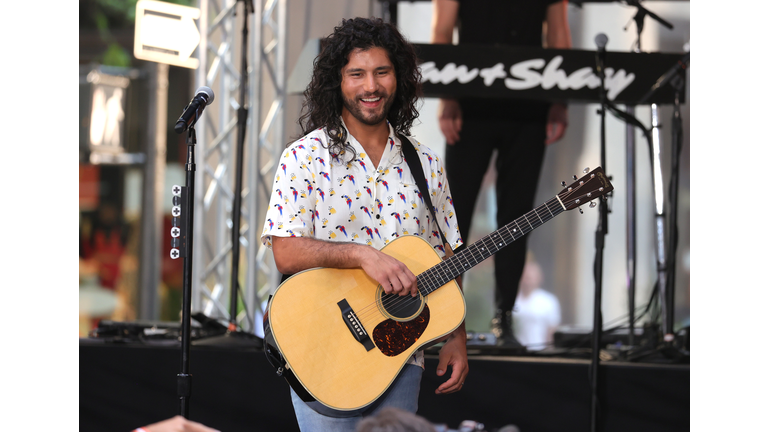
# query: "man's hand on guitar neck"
453, 354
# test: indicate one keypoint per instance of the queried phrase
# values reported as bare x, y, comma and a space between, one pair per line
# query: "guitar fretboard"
486, 247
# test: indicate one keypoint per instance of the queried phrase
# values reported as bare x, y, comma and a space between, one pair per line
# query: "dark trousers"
520, 147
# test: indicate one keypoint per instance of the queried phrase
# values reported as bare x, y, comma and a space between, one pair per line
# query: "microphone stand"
664, 284
675, 78
234, 337
184, 379
639, 19
602, 230
183, 212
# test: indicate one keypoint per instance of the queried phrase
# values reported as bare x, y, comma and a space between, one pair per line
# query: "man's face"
368, 85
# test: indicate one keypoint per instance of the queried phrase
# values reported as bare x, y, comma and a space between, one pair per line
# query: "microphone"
194, 109
601, 40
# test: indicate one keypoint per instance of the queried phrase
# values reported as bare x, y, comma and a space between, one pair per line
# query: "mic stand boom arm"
642, 12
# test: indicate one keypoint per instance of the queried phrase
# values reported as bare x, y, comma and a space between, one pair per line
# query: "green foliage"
115, 55
126, 9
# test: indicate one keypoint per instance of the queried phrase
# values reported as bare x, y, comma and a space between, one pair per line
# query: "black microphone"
601, 40
194, 109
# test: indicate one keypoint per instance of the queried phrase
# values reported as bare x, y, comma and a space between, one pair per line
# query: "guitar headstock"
593, 185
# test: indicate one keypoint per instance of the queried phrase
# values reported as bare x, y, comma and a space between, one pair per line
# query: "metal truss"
221, 28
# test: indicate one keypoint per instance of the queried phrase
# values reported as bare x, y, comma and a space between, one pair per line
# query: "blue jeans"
403, 394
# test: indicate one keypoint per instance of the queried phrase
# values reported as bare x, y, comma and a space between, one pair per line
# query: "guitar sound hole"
400, 307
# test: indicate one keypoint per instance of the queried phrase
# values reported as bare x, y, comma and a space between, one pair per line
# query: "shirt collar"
391, 150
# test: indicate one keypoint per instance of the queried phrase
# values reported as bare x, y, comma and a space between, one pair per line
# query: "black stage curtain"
125, 385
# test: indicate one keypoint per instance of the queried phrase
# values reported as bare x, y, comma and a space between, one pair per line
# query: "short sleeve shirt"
323, 195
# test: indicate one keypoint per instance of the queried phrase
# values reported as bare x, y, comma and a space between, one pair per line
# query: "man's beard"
358, 112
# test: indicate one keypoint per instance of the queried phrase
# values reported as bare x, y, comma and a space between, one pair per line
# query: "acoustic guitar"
345, 339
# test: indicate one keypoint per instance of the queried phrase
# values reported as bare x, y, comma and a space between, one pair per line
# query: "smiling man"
360, 103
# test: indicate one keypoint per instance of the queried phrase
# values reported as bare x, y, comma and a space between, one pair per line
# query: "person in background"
516, 131
537, 311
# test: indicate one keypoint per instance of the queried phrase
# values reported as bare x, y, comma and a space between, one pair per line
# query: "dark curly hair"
323, 99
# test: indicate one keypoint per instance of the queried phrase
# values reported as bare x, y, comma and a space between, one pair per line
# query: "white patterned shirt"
315, 194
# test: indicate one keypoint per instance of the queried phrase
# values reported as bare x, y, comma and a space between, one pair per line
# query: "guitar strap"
274, 356
412, 158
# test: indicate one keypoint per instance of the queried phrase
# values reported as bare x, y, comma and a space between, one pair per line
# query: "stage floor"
126, 385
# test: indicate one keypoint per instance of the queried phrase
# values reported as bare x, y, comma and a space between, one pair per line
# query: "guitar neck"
487, 246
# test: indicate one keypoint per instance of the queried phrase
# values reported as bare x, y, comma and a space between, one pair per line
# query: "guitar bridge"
355, 327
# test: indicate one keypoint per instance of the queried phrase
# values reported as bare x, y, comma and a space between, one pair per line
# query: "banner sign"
166, 33
546, 74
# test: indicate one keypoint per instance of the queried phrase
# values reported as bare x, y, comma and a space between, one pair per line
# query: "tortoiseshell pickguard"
393, 337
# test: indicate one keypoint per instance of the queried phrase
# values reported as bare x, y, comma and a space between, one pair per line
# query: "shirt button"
378, 216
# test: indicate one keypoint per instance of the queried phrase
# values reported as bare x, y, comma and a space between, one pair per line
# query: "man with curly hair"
344, 191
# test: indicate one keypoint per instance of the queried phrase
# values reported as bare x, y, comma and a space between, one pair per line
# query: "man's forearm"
295, 254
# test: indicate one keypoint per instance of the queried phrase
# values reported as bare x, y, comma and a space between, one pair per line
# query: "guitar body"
319, 347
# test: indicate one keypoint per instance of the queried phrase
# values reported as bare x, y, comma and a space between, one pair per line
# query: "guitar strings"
393, 305
396, 304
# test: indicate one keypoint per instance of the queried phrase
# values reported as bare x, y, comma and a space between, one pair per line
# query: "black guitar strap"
409, 152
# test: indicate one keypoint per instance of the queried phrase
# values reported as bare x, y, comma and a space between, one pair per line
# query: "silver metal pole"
661, 246
631, 220
201, 129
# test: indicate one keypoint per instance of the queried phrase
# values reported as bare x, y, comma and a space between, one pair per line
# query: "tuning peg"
575, 178
586, 170
592, 204
581, 211
563, 183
